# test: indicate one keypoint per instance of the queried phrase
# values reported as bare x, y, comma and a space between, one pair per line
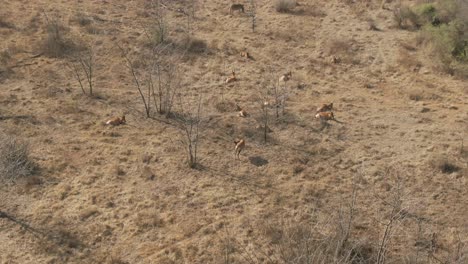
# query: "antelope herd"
324, 112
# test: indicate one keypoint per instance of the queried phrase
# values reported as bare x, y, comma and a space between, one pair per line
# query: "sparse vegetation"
15, 160
285, 6
444, 27
444, 165
154, 174
190, 125
56, 44
84, 66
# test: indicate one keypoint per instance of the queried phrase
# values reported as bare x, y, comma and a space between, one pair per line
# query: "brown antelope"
325, 116
245, 54
240, 145
325, 108
116, 121
286, 77
240, 112
235, 7
231, 78
335, 60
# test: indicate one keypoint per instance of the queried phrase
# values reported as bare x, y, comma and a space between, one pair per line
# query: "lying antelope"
116, 121
325, 116
325, 108
240, 145
241, 112
231, 78
286, 77
235, 7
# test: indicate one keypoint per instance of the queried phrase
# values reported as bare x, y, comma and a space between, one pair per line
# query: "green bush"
425, 12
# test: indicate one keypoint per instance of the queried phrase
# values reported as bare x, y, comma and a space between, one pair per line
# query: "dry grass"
285, 6
444, 165
15, 161
57, 42
126, 191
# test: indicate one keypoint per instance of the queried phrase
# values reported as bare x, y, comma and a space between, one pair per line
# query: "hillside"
395, 163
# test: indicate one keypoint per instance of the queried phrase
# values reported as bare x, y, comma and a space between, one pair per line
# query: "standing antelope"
240, 145
325, 108
286, 77
231, 78
116, 121
234, 7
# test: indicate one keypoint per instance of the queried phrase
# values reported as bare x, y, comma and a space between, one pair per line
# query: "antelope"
335, 60
241, 112
325, 108
245, 54
286, 77
325, 116
236, 7
116, 121
240, 145
231, 78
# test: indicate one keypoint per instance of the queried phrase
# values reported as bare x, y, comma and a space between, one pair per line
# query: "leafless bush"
444, 165
83, 66
83, 19
158, 30
158, 81
405, 18
5, 69
195, 45
56, 44
6, 24
322, 238
408, 61
189, 122
285, 6
253, 14
15, 161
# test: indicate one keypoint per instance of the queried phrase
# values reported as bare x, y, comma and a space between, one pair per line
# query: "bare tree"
83, 69
159, 80
395, 202
158, 31
189, 121
138, 83
253, 14
265, 105
280, 95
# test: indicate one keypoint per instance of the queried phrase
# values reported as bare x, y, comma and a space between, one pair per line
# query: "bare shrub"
6, 24
157, 31
158, 81
285, 6
345, 50
56, 44
83, 66
15, 161
405, 18
189, 123
444, 165
408, 61
83, 19
195, 45
5, 69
